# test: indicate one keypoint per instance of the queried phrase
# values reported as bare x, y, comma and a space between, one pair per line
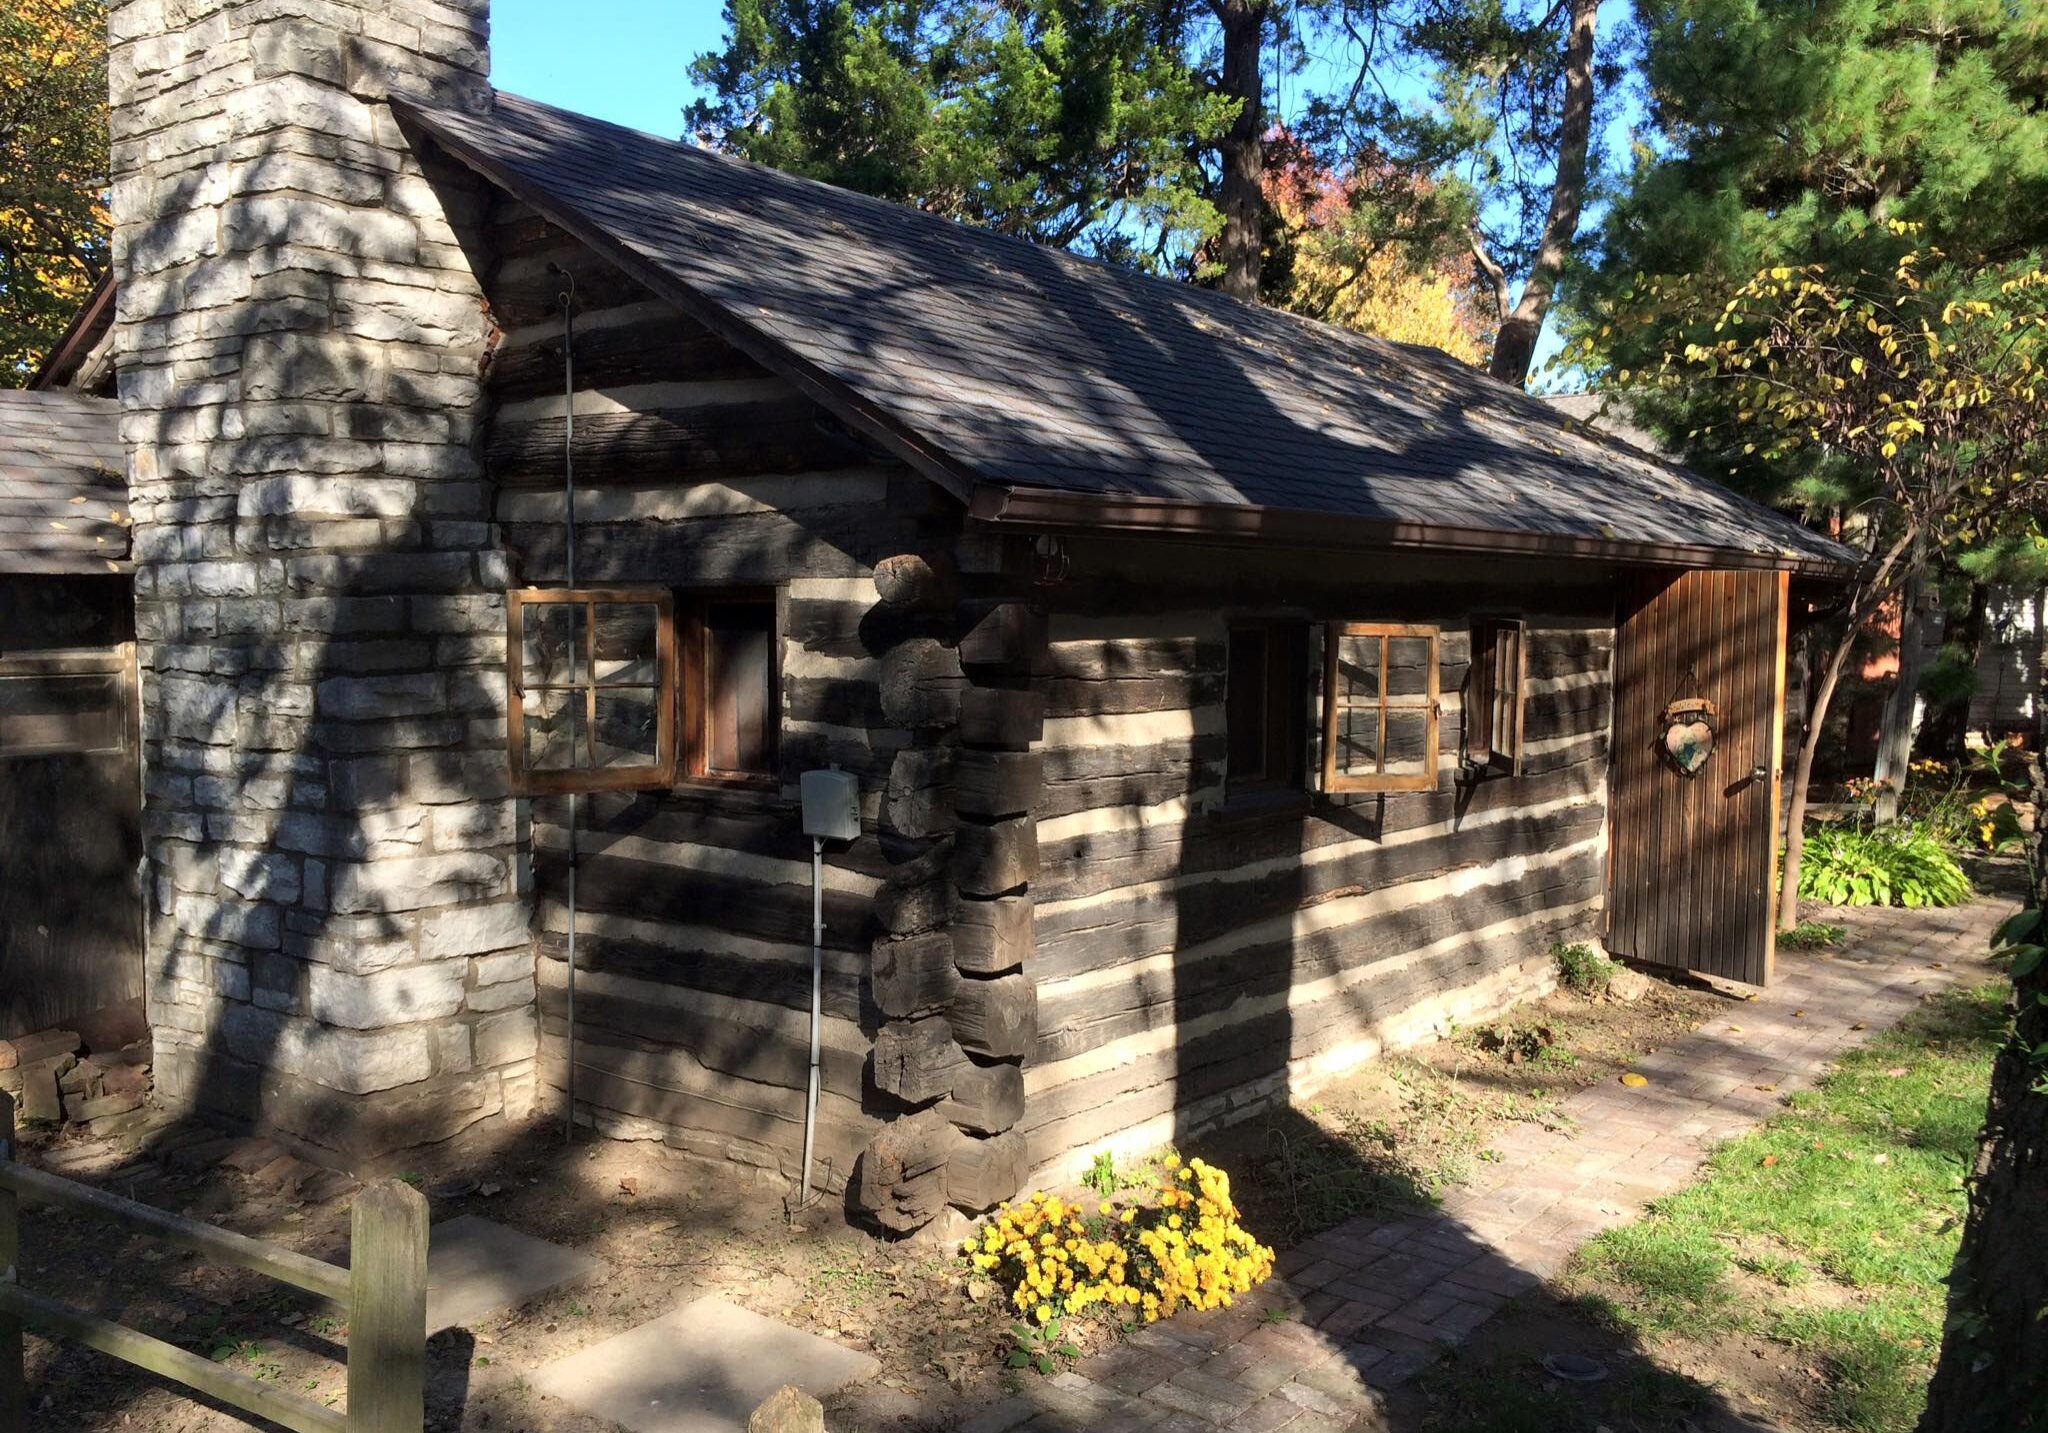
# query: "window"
592, 676
1266, 706
731, 700
1380, 707
1493, 694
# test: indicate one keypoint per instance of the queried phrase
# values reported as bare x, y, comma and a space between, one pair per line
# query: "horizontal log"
683, 964
523, 292
1001, 717
996, 1017
987, 1098
990, 860
1114, 659
992, 784
917, 800
905, 909
655, 890
780, 435
640, 343
913, 975
915, 582
741, 550
1010, 636
981, 1172
917, 1061
901, 1184
1075, 697
992, 936
920, 684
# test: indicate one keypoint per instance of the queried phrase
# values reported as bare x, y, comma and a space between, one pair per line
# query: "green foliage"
1811, 935
1102, 1176
1854, 1188
1065, 121
53, 172
1039, 1348
1893, 865
1581, 969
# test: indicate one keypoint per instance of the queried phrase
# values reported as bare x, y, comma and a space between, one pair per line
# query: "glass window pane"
1358, 740
1245, 704
626, 642
1407, 751
551, 643
628, 731
739, 680
554, 723
1358, 672
1408, 668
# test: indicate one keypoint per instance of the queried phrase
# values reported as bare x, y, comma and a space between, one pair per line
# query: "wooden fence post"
387, 1310
13, 1384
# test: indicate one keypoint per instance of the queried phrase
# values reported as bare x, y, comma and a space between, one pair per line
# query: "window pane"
1408, 752
1506, 691
553, 728
1408, 668
627, 727
627, 654
1245, 704
1358, 740
53, 714
739, 679
1358, 672
551, 643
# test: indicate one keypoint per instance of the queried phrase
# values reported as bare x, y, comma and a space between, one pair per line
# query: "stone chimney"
338, 949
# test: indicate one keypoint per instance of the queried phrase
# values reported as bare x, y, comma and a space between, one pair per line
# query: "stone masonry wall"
338, 946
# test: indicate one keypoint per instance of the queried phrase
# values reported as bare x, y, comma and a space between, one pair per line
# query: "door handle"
1759, 772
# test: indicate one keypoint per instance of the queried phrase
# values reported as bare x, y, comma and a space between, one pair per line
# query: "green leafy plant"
1811, 935
1039, 1348
1102, 1176
1891, 866
1582, 969
1516, 1044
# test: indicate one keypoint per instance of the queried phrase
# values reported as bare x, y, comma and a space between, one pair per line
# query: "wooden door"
1692, 860
70, 838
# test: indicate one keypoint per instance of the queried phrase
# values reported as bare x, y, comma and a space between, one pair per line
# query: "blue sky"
622, 60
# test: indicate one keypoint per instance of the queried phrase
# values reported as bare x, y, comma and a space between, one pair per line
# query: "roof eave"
1051, 509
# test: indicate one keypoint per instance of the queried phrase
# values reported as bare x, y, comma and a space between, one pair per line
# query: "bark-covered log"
990, 784
990, 860
994, 936
1011, 636
1001, 717
997, 1018
921, 683
915, 583
917, 801
913, 975
905, 909
917, 1060
982, 1173
987, 1098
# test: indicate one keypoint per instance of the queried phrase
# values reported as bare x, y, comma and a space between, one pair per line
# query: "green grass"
1830, 1228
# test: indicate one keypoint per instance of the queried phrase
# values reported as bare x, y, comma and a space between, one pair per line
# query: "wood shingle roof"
1048, 388
63, 484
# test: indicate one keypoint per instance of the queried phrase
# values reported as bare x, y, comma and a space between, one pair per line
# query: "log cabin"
1227, 697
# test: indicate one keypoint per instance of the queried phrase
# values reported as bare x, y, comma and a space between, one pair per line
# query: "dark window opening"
731, 706
1266, 707
1493, 716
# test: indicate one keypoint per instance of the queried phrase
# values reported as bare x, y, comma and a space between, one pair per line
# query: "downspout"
817, 1010
568, 298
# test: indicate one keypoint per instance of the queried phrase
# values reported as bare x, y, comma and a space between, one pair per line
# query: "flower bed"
1175, 1242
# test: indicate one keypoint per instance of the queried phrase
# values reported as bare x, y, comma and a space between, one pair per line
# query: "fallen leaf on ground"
1767, 1087
1896, 1071
1769, 1160
1634, 1081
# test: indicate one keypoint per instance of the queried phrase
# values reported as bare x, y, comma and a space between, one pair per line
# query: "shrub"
1177, 1243
1892, 865
1811, 935
1582, 969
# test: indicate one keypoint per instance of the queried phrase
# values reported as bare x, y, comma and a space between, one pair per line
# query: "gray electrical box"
831, 805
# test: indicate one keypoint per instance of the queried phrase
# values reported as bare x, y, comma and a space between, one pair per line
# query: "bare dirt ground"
671, 1230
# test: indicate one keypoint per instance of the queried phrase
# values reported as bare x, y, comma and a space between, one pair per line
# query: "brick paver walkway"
1374, 1300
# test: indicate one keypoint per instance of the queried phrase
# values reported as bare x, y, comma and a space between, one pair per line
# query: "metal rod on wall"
568, 298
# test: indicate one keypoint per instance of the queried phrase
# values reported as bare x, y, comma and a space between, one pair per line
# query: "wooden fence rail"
382, 1294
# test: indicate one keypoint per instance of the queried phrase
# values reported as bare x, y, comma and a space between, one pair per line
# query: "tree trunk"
1895, 733
1945, 735
1802, 776
1514, 351
1242, 148
1992, 1373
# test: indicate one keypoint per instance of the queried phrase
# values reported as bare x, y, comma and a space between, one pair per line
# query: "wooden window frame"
1286, 707
662, 772
692, 672
1431, 705
1481, 727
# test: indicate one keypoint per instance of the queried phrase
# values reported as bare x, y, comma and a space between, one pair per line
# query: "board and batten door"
1692, 860
70, 836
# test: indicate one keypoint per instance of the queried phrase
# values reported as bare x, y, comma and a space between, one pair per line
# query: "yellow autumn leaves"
1178, 1243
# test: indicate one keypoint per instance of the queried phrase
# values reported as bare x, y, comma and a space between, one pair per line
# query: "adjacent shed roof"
1051, 389
63, 484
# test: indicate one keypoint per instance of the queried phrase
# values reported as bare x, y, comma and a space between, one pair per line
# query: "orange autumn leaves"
53, 171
